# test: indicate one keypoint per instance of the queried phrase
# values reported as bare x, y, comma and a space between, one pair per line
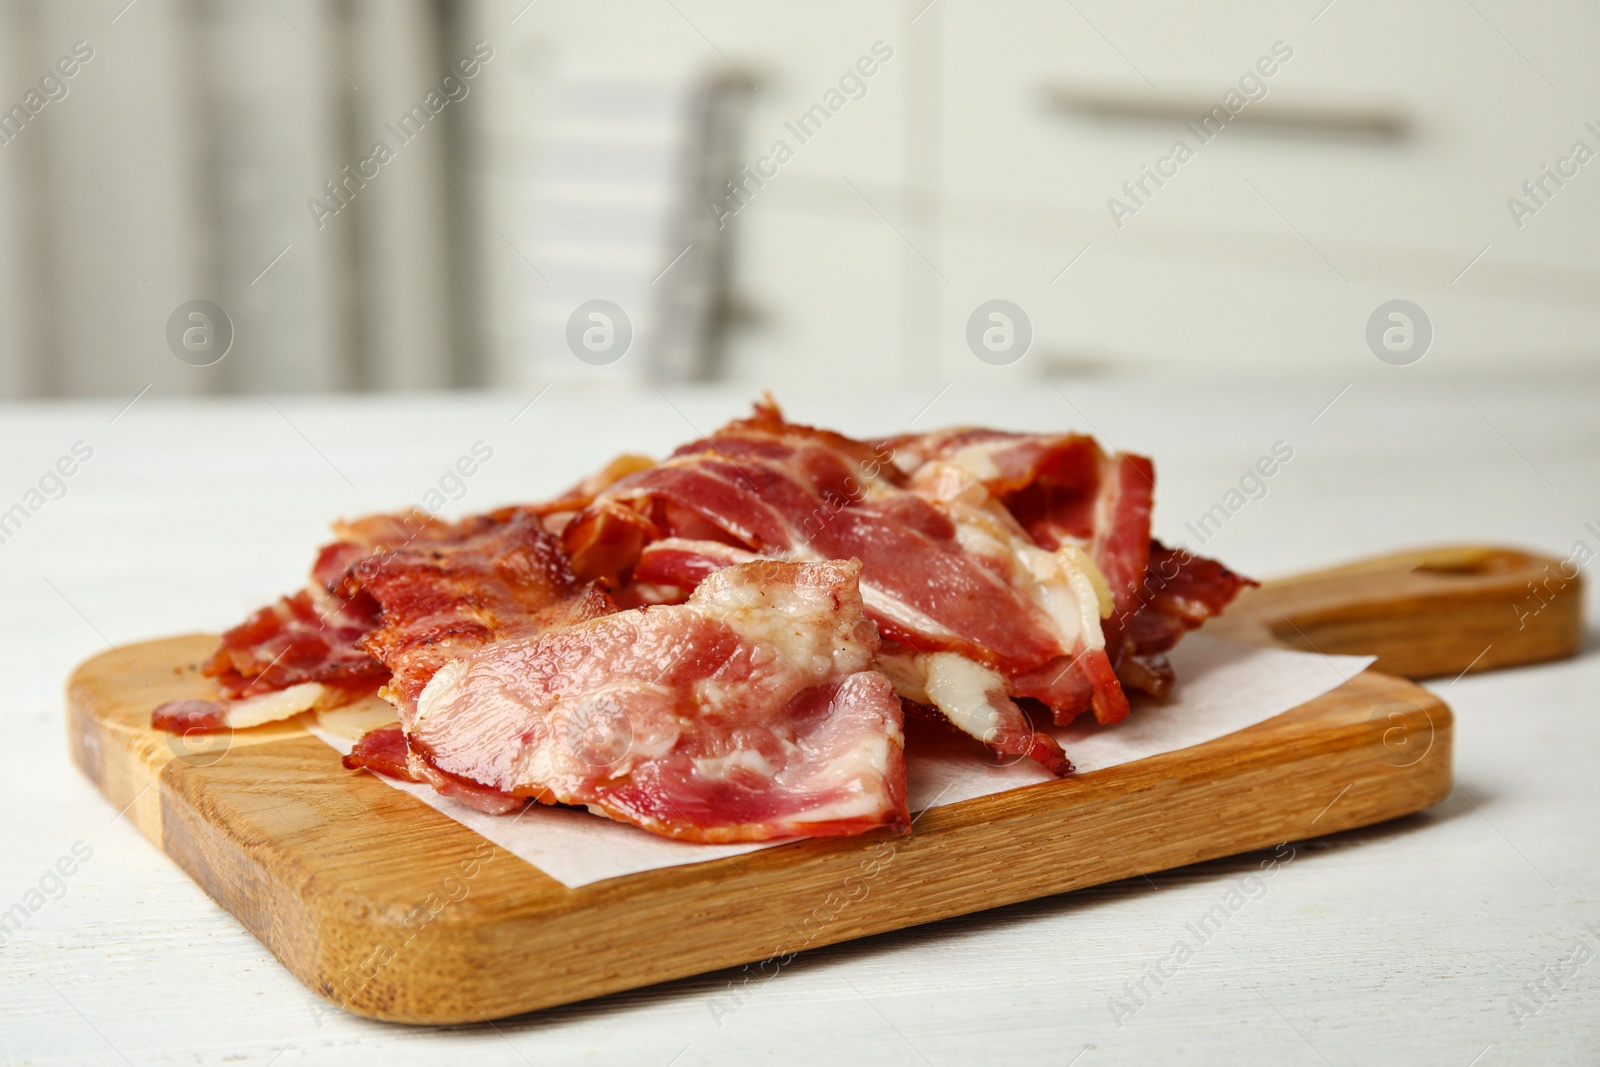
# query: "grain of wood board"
391, 910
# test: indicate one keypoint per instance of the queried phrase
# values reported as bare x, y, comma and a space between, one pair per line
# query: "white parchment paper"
1222, 687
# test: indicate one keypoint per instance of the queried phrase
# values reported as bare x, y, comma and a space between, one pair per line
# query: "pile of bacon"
721, 646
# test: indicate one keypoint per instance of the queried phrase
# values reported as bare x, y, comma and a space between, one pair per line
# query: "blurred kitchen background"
938, 154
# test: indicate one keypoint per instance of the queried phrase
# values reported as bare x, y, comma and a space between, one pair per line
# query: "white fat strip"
1071, 590
978, 459
271, 707
740, 759
907, 673
1065, 584
1080, 564
798, 623
957, 686
960, 689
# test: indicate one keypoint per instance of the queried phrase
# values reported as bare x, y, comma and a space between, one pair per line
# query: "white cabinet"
958, 177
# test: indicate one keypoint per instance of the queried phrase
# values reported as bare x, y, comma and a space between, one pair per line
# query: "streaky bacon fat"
765, 486
750, 712
314, 636
301, 638
1065, 490
439, 600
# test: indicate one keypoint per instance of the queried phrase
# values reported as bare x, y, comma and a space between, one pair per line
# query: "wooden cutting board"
391, 910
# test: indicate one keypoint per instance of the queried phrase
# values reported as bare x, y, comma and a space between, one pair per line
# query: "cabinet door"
1375, 161
1368, 154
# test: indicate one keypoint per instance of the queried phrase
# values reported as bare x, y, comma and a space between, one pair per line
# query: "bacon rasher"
304, 652
437, 601
1065, 490
750, 712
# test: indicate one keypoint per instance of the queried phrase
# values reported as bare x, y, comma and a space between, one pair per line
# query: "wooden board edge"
448, 972
325, 934
125, 783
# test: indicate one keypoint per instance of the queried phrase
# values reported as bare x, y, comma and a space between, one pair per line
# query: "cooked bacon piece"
1062, 488
1187, 587
295, 641
973, 699
749, 713
764, 486
1180, 591
384, 751
1065, 587
314, 635
311, 636
368, 542
1065, 491
441, 600
182, 716
306, 651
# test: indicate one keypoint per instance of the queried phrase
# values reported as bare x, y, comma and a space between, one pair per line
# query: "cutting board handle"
1423, 613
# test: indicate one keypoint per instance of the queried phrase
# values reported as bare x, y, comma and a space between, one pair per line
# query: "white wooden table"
1399, 944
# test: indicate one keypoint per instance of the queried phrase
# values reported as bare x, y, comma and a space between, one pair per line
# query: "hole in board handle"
1470, 562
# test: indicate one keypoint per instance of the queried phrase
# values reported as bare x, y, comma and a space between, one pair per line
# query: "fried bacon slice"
385, 751
439, 600
945, 567
1180, 592
751, 712
309, 637
1065, 490
304, 652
